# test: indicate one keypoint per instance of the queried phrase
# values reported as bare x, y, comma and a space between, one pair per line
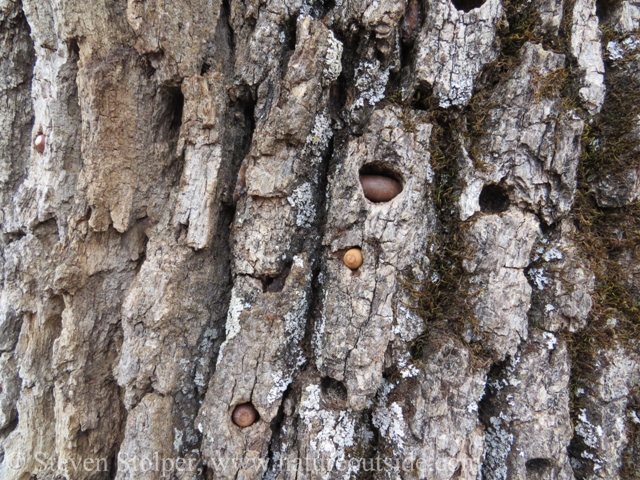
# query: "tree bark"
181, 180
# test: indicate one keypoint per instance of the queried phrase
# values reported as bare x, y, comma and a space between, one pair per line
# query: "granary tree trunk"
307, 239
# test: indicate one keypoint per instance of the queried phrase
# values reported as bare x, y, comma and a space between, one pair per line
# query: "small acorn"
353, 258
39, 142
244, 415
379, 188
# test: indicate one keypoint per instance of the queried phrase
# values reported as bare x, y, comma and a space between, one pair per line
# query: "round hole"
467, 5
494, 199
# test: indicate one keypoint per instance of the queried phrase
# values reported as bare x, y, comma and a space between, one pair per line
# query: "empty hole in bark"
74, 48
338, 93
538, 468
605, 7
467, 5
420, 100
48, 228
11, 237
327, 6
494, 199
176, 106
333, 391
291, 32
276, 284
385, 190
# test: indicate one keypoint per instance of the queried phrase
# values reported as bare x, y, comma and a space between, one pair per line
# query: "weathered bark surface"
176, 248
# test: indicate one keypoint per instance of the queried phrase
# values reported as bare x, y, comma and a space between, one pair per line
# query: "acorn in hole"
244, 415
353, 258
39, 142
379, 188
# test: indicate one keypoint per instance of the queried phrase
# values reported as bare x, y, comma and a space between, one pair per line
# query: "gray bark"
176, 247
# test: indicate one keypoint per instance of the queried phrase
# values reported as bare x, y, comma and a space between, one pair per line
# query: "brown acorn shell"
39, 142
353, 258
378, 188
244, 415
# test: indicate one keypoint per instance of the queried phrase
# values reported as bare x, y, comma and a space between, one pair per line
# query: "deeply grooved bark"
180, 183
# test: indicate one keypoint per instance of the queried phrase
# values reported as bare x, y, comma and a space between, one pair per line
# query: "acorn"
379, 188
353, 258
244, 415
39, 142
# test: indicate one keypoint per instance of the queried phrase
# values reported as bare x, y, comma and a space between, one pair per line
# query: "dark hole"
338, 93
276, 284
381, 169
176, 105
494, 199
74, 48
333, 391
10, 237
605, 7
467, 5
291, 32
421, 97
327, 6
538, 465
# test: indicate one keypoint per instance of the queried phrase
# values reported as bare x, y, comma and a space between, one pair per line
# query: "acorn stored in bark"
39, 142
244, 415
353, 258
379, 188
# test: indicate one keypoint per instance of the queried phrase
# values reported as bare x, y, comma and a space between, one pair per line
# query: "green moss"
609, 237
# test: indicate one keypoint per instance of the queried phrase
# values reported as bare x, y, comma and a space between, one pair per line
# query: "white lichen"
390, 422
280, 384
498, 443
552, 254
590, 433
318, 140
236, 306
333, 60
551, 340
302, 200
335, 433
371, 83
537, 276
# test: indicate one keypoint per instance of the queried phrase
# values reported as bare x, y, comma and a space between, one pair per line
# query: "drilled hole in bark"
291, 32
74, 48
334, 392
467, 5
176, 106
420, 100
494, 199
276, 284
538, 468
338, 93
327, 6
605, 7
380, 182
